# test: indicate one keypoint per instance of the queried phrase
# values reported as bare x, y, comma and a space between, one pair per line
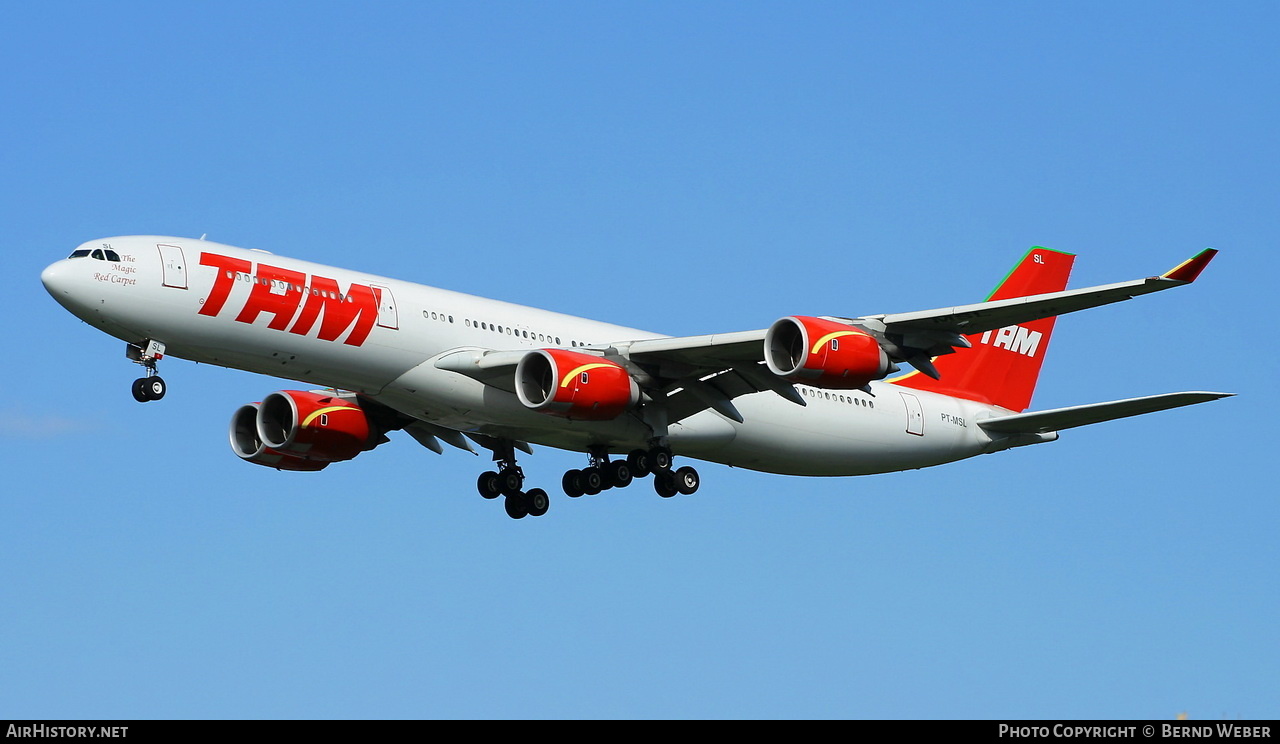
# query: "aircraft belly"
837, 438
704, 435
462, 403
364, 371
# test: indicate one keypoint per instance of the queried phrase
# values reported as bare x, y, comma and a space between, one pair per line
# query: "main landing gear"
603, 473
508, 481
152, 386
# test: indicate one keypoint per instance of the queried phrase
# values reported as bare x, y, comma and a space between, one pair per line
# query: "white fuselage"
229, 306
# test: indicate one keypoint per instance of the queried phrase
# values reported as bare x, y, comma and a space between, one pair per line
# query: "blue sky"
685, 168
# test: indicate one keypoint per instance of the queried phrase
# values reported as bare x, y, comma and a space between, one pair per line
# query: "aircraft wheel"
638, 461
664, 482
140, 390
488, 486
155, 387
592, 481
510, 481
538, 502
619, 473
687, 480
517, 506
659, 459
572, 483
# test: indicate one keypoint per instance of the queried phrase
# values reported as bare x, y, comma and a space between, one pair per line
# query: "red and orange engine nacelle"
823, 353
297, 430
574, 385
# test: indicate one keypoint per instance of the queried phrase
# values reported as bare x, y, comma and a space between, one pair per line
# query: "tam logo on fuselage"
1016, 339
284, 294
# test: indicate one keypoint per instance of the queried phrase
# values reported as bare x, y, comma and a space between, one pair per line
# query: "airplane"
809, 395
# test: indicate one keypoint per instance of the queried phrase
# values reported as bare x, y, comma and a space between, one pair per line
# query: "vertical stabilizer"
1003, 365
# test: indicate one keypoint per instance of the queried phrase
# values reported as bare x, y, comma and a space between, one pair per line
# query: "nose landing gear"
152, 386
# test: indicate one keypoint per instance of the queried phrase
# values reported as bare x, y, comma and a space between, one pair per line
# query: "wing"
692, 373
723, 366
915, 337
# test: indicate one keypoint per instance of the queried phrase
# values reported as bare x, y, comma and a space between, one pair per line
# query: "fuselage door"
387, 317
173, 265
915, 414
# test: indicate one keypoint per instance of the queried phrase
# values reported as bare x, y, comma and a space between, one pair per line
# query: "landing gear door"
173, 266
915, 414
387, 317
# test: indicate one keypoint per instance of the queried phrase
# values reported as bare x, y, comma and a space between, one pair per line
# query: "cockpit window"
102, 254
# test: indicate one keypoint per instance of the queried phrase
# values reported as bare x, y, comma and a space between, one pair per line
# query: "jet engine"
823, 353
574, 385
297, 430
248, 446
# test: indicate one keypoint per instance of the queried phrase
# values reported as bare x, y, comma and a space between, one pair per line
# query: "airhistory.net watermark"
48, 731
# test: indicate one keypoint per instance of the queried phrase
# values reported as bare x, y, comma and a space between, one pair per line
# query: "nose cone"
54, 279
60, 280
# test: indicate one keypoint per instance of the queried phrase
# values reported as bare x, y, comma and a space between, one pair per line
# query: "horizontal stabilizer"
1039, 422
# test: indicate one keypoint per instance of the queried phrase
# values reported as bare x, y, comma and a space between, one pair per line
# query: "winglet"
1188, 270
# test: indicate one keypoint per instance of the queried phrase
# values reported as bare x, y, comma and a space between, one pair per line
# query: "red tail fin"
1004, 364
